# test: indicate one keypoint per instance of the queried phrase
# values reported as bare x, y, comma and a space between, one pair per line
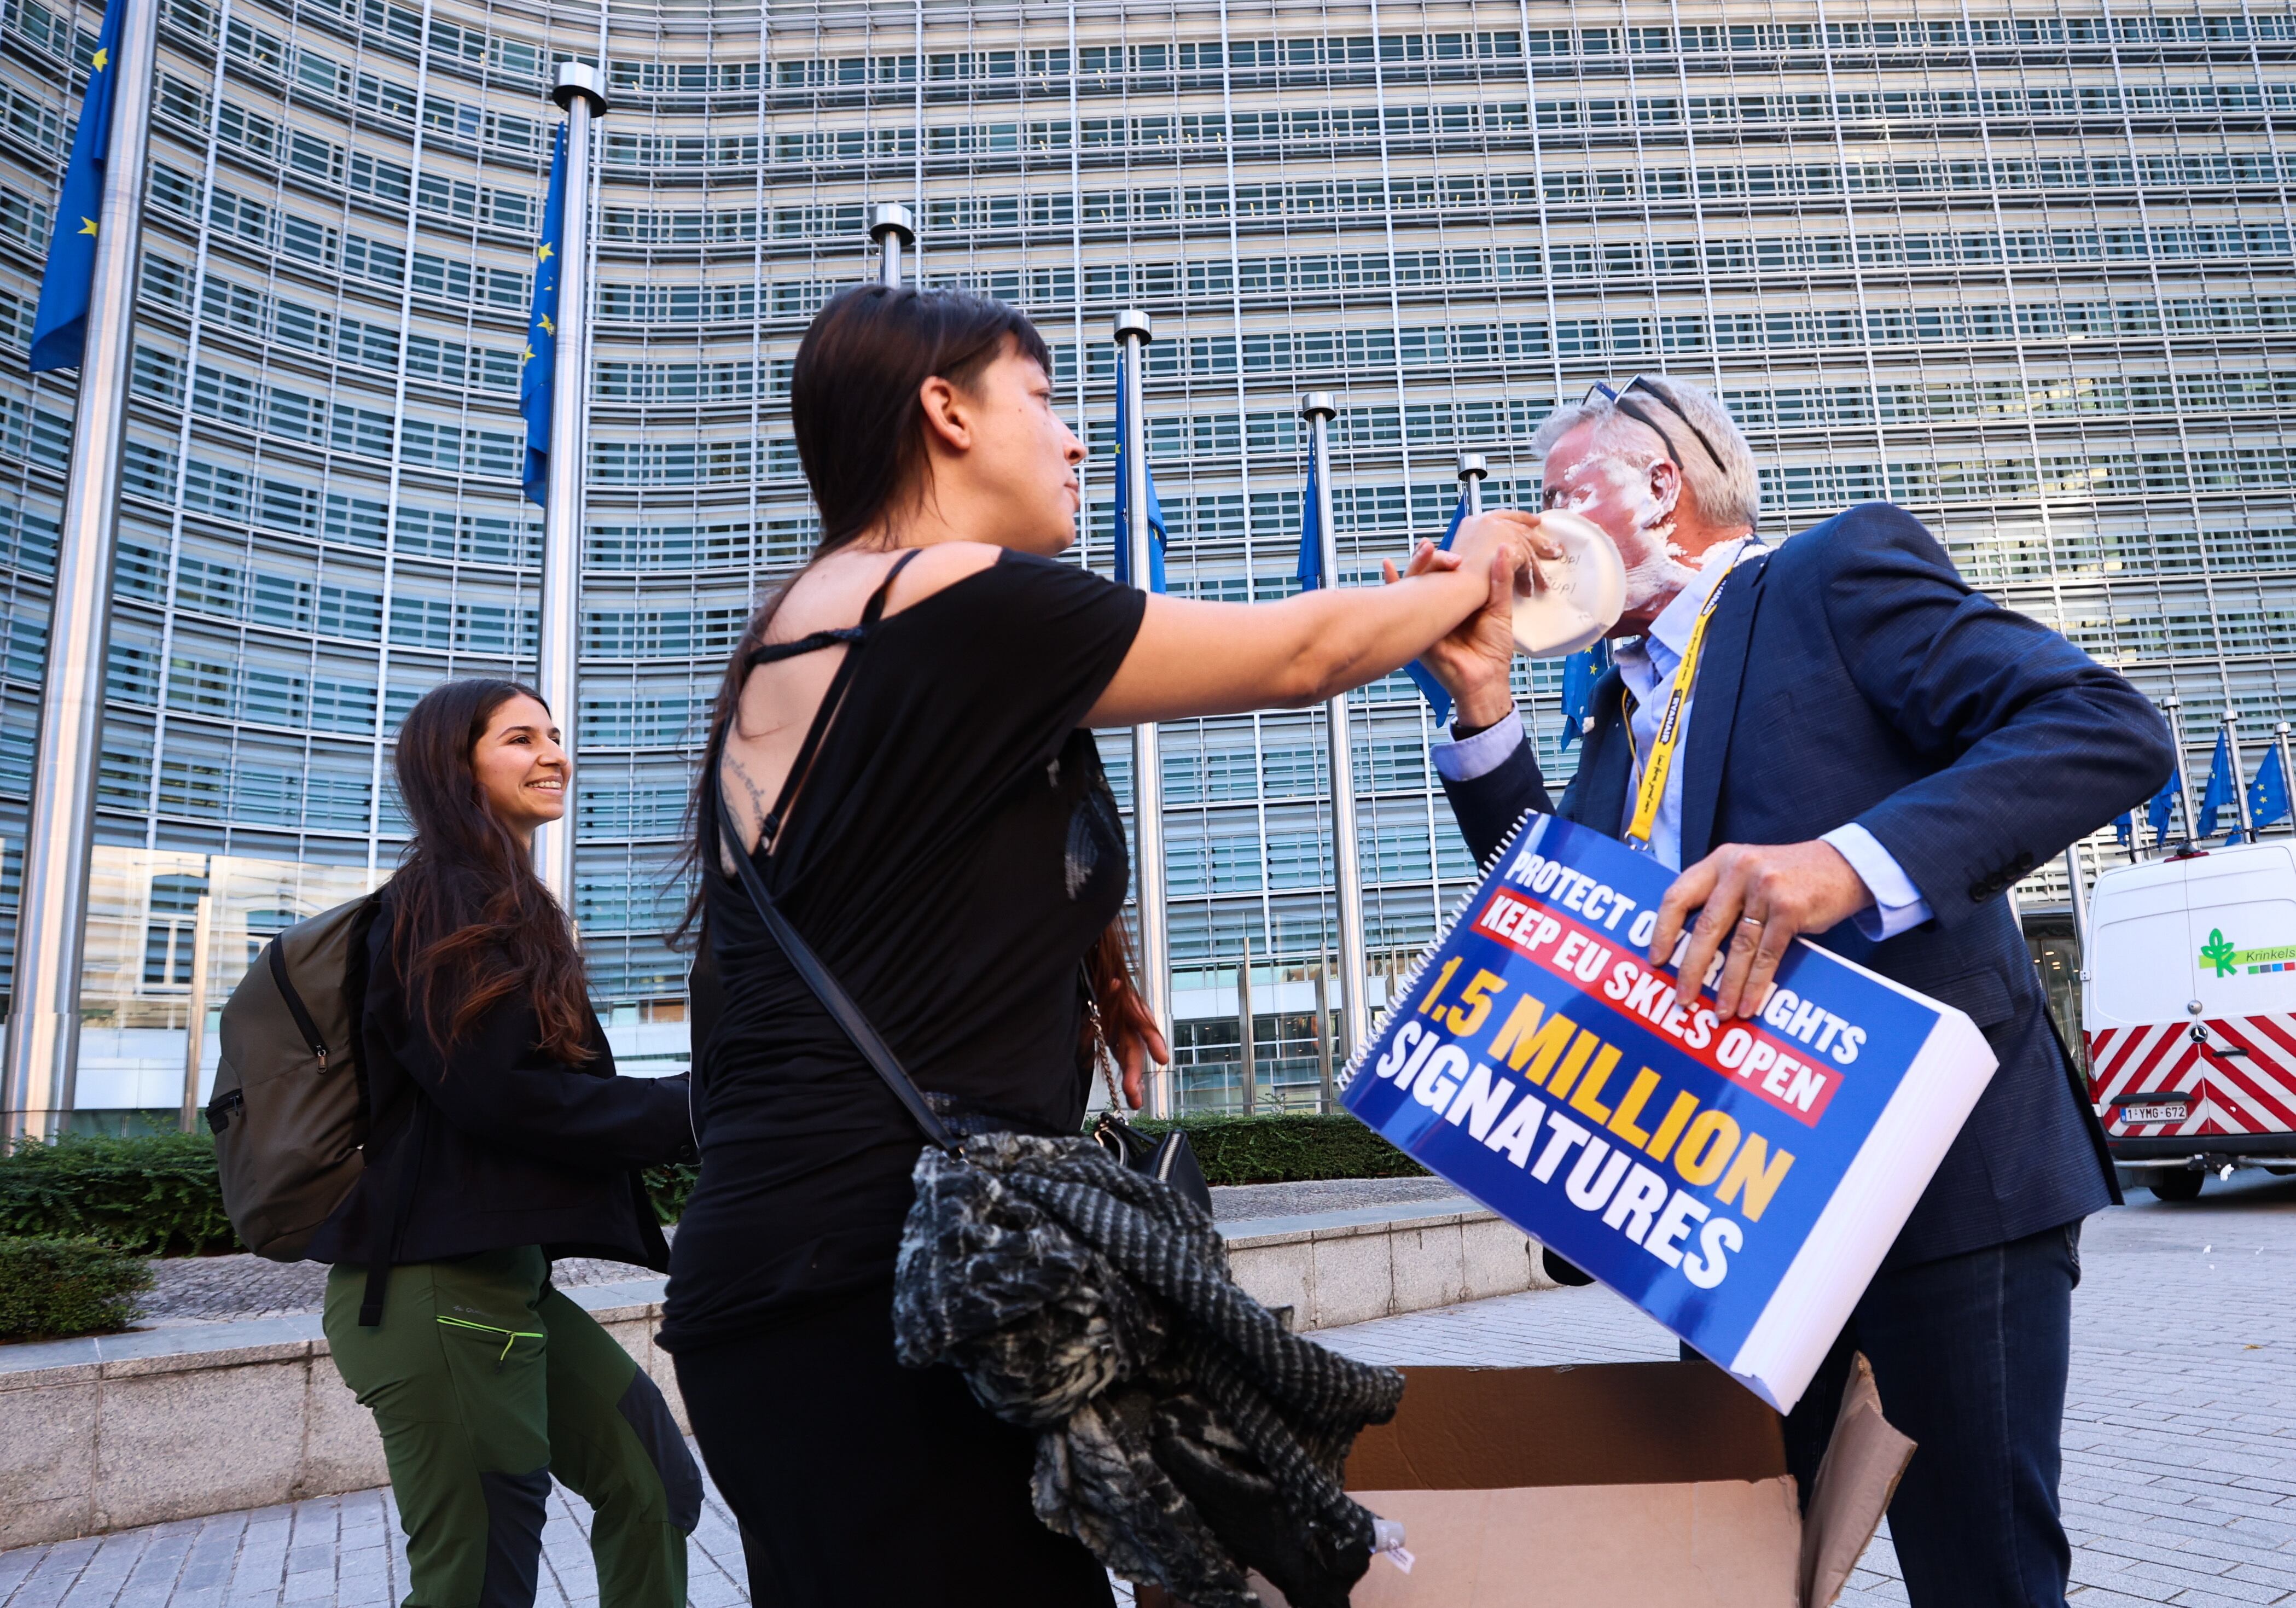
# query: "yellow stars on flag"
524, 355
103, 60
87, 225
548, 328
544, 251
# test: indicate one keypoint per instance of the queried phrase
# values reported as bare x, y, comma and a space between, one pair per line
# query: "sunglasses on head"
1625, 400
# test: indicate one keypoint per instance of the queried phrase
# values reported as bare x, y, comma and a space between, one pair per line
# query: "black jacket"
506, 1146
1852, 676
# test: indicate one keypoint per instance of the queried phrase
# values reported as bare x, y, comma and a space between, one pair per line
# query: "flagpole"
1346, 853
2074, 882
1472, 471
2169, 706
894, 229
581, 91
2239, 783
2287, 776
42, 1061
1132, 334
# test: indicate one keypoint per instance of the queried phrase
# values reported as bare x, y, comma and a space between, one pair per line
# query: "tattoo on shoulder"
748, 784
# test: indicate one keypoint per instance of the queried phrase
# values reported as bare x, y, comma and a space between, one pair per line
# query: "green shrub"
669, 1188
157, 1194
1289, 1149
54, 1287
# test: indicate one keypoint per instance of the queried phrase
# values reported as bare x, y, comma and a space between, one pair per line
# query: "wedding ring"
1755, 922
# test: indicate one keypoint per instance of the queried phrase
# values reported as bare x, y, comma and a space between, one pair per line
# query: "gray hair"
1729, 494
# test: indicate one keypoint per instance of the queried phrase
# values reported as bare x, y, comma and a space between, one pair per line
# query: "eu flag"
1430, 688
1157, 536
539, 362
59, 326
2219, 795
1311, 534
2268, 795
2156, 814
1580, 671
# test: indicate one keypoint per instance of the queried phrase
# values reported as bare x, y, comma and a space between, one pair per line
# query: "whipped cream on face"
1656, 567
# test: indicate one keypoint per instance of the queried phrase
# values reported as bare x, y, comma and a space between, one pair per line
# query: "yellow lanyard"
1652, 791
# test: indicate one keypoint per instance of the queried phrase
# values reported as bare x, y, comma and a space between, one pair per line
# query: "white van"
2190, 1009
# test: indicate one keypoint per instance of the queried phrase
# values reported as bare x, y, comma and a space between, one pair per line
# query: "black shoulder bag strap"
825, 987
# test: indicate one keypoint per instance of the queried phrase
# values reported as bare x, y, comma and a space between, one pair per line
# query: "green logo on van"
2227, 961
2218, 953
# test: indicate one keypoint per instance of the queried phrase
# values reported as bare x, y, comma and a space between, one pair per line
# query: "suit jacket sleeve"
2041, 744
1488, 807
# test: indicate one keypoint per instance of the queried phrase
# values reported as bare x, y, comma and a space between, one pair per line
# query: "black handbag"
1172, 1160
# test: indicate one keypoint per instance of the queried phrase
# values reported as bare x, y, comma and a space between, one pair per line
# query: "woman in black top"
501, 1138
926, 800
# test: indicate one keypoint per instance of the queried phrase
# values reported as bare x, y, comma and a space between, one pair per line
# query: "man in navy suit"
1861, 751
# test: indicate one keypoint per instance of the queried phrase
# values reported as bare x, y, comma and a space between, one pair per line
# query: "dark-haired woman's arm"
1193, 658
496, 1086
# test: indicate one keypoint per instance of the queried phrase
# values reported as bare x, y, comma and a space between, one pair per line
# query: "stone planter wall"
191, 1419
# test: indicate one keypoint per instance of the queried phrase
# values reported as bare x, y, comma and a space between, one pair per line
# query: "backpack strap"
390, 1229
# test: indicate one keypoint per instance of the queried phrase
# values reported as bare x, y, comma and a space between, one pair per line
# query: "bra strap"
855, 637
774, 652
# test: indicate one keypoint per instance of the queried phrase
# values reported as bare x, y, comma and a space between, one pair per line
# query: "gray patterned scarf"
1182, 1435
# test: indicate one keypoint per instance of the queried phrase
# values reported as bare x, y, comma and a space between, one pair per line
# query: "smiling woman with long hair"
501, 1138
901, 741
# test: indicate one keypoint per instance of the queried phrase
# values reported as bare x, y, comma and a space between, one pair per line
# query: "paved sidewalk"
2180, 1443
2180, 1420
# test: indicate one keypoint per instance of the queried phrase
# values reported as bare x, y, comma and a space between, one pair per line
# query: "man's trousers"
485, 1382
1969, 1355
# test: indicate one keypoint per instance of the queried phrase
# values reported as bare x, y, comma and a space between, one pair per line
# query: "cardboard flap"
1607, 1423
1715, 1543
1858, 1475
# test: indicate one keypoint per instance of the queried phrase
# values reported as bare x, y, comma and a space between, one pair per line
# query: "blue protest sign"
1740, 1180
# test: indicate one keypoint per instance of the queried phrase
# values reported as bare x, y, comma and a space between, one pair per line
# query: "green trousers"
485, 1382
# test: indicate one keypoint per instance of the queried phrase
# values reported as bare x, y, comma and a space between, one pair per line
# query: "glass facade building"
2025, 268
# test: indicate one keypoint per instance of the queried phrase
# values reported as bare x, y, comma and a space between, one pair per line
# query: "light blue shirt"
1647, 665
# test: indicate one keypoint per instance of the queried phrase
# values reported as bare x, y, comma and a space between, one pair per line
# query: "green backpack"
289, 1111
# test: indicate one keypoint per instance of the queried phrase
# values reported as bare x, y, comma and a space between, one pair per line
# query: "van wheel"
2179, 1186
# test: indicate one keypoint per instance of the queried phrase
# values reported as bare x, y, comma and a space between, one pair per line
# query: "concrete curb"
183, 1420
1334, 1267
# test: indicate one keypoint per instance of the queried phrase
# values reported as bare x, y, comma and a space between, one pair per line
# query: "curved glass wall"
2025, 268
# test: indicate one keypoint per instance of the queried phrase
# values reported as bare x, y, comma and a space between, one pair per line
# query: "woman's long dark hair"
473, 923
860, 430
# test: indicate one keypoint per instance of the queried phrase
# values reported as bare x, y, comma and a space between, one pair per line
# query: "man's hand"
1756, 899
1473, 663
